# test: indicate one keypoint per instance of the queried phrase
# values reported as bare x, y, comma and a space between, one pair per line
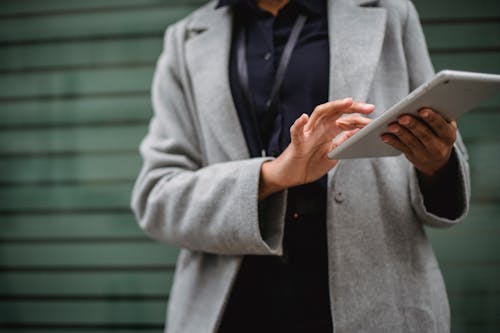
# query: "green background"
74, 105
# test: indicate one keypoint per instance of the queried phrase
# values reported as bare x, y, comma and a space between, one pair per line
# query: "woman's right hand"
312, 138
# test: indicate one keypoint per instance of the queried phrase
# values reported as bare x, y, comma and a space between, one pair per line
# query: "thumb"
343, 138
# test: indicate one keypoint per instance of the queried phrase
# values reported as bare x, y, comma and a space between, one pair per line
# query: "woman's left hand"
427, 141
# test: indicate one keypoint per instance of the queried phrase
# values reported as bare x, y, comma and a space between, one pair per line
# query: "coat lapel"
207, 55
356, 36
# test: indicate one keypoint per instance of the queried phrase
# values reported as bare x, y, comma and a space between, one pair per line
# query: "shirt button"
267, 56
339, 197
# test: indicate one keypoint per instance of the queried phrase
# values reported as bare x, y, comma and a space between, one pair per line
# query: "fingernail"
385, 139
393, 128
404, 121
424, 113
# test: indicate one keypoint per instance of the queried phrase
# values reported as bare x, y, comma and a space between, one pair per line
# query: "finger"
447, 131
407, 138
355, 108
454, 124
358, 107
432, 143
343, 137
437, 148
297, 129
323, 109
352, 122
393, 141
331, 111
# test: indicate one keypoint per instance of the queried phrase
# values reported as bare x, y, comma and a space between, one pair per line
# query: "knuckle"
412, 126
448, 140
440, 127
442, 154
411, 146
321, 107
452, 138
425, 136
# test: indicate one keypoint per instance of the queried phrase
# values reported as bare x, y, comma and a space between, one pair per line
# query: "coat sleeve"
181, 200
420, 70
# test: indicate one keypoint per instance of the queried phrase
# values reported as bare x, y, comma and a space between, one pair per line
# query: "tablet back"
451, 93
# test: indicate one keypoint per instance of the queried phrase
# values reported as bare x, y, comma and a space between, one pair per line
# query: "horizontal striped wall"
74, 105
465, 35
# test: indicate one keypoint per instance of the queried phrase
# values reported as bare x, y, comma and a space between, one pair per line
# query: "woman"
274, 236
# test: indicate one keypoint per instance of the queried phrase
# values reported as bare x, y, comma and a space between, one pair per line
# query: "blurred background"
74, 105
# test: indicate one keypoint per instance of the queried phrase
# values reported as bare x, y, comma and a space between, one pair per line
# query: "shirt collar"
312, 6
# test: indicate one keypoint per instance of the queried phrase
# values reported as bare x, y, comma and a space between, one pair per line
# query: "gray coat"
198, 187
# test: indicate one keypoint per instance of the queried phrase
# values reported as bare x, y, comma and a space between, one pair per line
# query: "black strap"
278, 79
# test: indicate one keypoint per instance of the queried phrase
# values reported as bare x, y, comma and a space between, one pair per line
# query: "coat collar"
356, 36
207, 58
354, 54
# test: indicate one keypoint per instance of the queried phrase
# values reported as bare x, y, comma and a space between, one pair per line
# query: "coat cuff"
417, 198
270, 217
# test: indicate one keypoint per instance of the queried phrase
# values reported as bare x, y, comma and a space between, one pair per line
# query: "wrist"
430, 178
270, 179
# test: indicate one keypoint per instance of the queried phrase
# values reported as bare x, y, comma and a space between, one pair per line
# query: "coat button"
295, 216
339, 197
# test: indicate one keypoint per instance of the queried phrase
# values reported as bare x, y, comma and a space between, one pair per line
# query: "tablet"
451, 93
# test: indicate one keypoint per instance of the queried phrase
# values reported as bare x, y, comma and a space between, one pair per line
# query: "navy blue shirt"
288, 293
